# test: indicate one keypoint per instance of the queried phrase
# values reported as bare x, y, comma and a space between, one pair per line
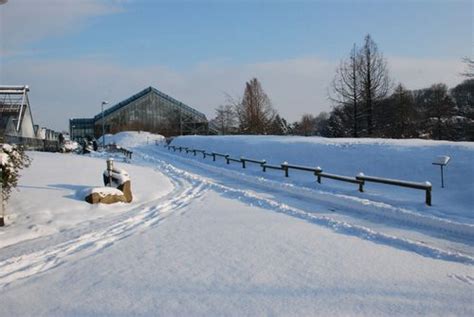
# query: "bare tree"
346, 85
469, 73
255, 112
374, 78
225, 118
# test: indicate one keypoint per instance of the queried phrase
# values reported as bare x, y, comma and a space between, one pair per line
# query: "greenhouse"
149, 110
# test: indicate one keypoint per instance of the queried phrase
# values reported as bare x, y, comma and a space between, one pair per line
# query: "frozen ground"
203, 239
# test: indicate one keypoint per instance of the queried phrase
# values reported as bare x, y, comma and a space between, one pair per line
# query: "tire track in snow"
352, 203
254, 198
463, 278
144, 217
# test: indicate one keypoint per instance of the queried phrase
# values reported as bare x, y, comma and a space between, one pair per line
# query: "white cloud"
62, 89
23, 22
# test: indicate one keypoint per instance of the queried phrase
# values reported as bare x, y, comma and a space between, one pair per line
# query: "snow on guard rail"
426, 186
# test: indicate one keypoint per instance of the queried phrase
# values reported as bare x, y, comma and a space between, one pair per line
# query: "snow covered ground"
204, 238
399, 159
52, 190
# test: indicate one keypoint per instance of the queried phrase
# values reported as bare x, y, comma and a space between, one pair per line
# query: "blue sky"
199, 50
181, 33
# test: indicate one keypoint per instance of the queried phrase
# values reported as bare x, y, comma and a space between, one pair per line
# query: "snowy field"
206, 238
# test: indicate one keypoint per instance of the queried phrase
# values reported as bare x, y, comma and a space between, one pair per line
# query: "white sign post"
442, 161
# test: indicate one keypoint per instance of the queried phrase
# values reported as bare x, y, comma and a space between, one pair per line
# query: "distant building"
15, 112
149, 110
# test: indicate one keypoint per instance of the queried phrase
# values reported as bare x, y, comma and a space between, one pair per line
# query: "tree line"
366, 103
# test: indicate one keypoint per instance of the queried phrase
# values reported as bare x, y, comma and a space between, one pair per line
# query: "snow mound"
130, 139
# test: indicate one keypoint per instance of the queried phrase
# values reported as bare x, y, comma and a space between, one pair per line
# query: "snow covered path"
372, 220
219, 256
205, 240
89, 237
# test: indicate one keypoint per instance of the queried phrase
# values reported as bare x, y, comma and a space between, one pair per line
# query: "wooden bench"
388, 181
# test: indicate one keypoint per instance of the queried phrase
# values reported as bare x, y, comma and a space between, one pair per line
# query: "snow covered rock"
120, 190
126, 189
105, 195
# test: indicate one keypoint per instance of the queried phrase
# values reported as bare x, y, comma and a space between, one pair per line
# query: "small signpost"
442, 161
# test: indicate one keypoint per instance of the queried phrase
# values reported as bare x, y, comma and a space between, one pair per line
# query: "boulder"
126, 189
106, 195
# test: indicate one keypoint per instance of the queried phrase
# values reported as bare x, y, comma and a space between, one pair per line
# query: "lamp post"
103, 123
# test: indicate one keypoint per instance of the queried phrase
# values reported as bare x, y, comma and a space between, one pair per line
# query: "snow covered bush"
12, 160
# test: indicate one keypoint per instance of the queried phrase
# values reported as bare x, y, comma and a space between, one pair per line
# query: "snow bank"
398, 159
52, 190
131, 139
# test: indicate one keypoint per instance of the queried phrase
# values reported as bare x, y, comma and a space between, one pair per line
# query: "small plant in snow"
12, 160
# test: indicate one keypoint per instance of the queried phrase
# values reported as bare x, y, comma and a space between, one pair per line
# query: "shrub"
12, 159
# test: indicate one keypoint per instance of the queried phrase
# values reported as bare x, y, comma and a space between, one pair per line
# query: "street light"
103, 123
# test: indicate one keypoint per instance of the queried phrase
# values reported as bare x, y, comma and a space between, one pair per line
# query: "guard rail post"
284, 166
